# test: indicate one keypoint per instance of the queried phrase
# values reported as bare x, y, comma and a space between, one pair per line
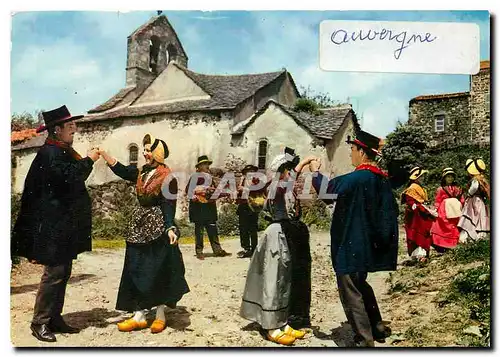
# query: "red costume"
444, 230
418, 219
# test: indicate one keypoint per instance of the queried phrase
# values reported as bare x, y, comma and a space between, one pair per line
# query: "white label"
403, 47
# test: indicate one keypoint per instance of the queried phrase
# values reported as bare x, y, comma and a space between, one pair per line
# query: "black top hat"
249, 168
56, 116
202, 159
366, 140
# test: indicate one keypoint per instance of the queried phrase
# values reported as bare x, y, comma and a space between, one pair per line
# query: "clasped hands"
96, 152
314, 164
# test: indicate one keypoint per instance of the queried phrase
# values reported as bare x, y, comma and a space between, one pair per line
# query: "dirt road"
207, 316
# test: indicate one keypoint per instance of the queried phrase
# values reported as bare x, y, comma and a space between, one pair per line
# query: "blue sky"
78, 58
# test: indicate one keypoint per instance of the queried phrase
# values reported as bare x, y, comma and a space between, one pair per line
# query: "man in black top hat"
54, 223
248, 216
203, 210
364, 234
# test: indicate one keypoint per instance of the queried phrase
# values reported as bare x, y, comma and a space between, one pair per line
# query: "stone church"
247, 118
454, 119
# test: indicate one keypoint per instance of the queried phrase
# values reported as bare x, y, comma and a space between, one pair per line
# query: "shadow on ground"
14, 290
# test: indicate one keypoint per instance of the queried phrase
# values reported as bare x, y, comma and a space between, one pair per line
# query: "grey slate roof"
113, 101
322, 126
226, 92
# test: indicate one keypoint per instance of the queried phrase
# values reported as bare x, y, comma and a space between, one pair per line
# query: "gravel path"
207, 316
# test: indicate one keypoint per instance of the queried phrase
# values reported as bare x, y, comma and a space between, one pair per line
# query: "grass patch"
471, 252
120, 243
108, 243
451, 294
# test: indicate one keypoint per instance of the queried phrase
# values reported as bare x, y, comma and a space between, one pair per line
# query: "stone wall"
457, 119
111, 197
479, 108
23, 160
138, 50
339, 152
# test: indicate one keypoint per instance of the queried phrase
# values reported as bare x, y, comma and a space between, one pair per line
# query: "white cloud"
63, 69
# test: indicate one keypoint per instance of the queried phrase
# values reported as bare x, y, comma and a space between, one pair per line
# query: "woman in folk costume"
278, 286
475, 220
418, 217
153, 272
449, 201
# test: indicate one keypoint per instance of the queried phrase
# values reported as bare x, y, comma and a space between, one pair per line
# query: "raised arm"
317, 182
129, 173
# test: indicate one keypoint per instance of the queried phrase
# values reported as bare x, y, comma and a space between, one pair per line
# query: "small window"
487, 102
171, 53
154, 50
439, 122
262, 155
133, 157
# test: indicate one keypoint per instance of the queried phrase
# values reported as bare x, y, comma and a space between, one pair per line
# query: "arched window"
262, 154
171, 53
133, 154
154, 51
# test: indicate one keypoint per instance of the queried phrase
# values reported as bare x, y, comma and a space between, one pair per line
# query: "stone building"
456, 118
245, 117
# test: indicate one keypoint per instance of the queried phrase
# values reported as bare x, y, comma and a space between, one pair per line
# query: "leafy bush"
320, 99
110, 228
472, 289
263, 224
228, 222
186, 227
437, 160
405, 147
316, 213
306, 105
471, 252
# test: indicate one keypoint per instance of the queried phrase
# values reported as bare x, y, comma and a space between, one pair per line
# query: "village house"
454, 119
248, 117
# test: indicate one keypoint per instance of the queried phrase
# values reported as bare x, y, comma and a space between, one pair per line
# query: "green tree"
404, 148
23, 121
311, 101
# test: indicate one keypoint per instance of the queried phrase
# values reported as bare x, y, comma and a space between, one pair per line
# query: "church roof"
226, 92
322, 126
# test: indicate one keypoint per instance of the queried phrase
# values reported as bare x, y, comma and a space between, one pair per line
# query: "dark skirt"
297, 237
153, 274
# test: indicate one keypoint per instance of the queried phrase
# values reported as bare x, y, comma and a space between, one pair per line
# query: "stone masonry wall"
480, 110
457, 119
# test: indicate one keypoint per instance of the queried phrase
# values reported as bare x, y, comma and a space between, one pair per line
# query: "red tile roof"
484, 64
22, 135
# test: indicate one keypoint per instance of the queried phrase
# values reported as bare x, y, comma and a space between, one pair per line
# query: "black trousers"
249, 226
50, 297
213, 236
297, 237
360, 305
